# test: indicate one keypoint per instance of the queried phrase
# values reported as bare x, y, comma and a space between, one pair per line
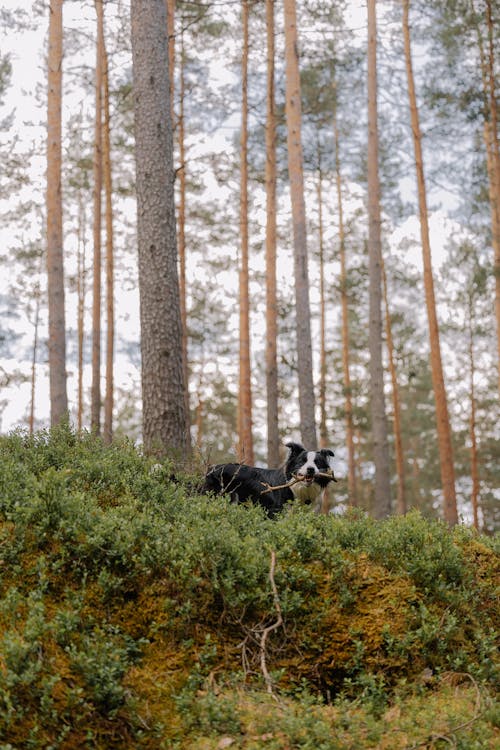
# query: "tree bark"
323, 433
296, 176
382, 496
110, 307
55, 269
165, 423
351, 457
442, 418
95, 401
81, 290
273, 455
492, 153
245, 444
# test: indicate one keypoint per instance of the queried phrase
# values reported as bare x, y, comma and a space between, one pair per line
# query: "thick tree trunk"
443, 422
95, 400
245, 444
273, 455
181, 236
382, 498
110, 307
55, 270
165, 423
296, 176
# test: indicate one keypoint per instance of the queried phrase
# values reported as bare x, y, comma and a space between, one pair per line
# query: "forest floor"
136, 614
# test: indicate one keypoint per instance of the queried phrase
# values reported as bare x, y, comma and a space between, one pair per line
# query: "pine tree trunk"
181, 238
81, 290
396, 403
245, 445
110, 307
170, 7
34, 355
55, 270
443, 422
165, 422
323, 433
273, 455
351, 458
382, 497
95, 400
474, 461
296, 177
492, 154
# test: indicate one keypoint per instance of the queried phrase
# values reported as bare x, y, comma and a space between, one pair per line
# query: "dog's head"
310, 466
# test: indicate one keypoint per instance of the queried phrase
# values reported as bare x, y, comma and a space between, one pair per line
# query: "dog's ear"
295, 449
328, 454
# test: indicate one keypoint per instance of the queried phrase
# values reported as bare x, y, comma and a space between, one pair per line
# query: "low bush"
135, 613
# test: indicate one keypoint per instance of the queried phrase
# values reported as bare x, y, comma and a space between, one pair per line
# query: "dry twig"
294, 480
270, 628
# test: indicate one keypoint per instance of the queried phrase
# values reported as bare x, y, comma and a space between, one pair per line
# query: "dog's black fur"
242, 482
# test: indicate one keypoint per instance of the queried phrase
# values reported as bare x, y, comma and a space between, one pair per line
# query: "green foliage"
128, 601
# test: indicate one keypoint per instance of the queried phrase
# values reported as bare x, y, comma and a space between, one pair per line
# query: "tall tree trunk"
273, 455
474, 461
81, 290
170, 6
293, 111
165, 422
110, 307
245, 444
181, 238
95, 400
323, 433
382, 497
55, 270
351, 458
396, 403
443, 422
34, 355
487, 61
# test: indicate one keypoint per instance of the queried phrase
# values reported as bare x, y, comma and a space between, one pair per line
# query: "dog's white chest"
306, 493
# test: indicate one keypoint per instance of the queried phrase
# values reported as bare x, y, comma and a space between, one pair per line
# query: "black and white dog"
305, 476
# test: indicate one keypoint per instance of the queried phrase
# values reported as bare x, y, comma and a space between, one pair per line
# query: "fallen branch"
270, 628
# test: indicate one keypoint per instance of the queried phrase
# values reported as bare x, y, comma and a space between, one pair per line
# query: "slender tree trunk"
55, 270
33, 360
81, 290
323, 433
474, 461
443, 422
296, 177
382, 498
165, 422
245, 446
95, 401
351, 459
487, 61
273, 455
110, 307
396, 403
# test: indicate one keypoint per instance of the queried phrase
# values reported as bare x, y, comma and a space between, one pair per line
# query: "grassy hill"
136, 614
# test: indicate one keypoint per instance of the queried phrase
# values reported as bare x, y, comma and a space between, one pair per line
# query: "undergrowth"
136, 614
